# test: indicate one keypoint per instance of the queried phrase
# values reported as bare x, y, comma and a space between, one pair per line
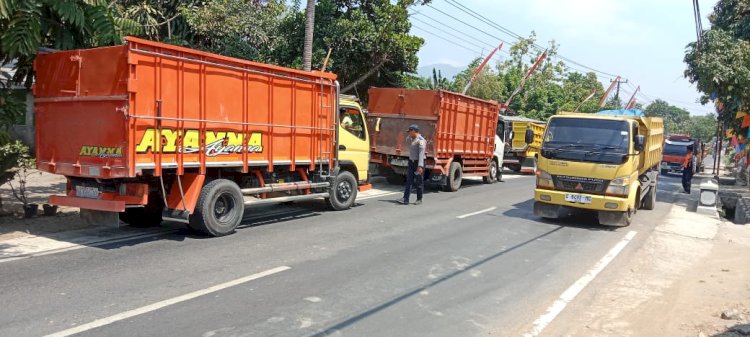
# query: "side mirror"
640, 142
529, 136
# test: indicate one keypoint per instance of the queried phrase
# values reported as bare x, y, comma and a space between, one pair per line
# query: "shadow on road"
575, 218
374, 310
735, 331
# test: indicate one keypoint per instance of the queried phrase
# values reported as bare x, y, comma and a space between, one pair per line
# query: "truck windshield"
675, 150
590, 140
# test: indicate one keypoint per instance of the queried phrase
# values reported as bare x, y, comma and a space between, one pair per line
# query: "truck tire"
147, 216
492, 175
220, 208
455, 177
616, 219
394, 178
343, 191
649, 201
514, 167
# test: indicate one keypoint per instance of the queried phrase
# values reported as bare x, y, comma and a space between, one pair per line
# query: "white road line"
476, 213
158, 305
559, 305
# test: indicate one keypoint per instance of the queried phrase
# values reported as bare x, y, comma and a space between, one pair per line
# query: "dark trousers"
687, 177
413, 179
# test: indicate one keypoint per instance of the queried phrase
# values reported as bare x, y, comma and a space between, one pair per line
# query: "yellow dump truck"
606, 162
520, 156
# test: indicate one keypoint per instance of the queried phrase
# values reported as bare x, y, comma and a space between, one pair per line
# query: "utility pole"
617, 94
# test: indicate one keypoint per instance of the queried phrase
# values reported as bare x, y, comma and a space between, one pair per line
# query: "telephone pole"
617, 93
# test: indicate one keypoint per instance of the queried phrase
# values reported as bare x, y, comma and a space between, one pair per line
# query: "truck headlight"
619, 187
544, 180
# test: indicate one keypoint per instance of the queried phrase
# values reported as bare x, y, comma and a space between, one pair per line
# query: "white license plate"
400, 162
577, 198
87, 192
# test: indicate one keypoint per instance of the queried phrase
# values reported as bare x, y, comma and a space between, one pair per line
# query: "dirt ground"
40, 186
689, 270
694, 304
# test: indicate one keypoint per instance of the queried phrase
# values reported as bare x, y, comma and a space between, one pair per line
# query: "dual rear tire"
220, 208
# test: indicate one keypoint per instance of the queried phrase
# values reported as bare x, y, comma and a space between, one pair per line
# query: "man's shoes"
418, 202
402, 202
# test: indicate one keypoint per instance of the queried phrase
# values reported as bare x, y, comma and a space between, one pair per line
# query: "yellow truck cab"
606, 162
354, 140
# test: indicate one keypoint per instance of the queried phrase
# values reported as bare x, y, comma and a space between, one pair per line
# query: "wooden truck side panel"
454, 125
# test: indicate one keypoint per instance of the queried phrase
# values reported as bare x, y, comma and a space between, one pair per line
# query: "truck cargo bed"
455, 127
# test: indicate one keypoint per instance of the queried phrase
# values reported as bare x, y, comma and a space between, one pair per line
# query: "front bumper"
598, 202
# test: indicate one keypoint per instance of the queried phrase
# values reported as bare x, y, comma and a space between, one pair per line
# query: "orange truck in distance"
148, 131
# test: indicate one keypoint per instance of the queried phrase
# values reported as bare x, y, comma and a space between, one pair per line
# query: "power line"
466, 35
535, 47
484, 19
447, 40
455, 36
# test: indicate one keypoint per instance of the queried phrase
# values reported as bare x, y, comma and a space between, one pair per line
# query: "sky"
641, 40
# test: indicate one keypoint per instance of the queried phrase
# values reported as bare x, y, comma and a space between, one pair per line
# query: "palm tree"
309, 28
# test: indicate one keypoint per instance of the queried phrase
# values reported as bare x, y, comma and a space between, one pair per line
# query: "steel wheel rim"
223, 206
493, 171
344, 190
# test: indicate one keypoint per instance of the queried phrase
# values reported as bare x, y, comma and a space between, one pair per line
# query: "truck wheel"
455, 177
220, 208
147, 216
394, 178
343, 191
649, 202
491, 178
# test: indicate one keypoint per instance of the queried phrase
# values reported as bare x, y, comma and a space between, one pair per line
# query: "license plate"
87, 192
400, 162
577, 198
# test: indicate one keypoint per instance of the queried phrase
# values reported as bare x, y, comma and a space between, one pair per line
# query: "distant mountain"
447, 70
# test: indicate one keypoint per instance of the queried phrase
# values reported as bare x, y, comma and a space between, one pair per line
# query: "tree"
720, 65
28, 25
702, 127
237, 28
676, 120
370, 41
309, 30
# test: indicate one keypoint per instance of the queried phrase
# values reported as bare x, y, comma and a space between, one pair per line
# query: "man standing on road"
687, 170
415, 171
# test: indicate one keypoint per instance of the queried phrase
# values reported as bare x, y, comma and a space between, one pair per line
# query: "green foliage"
370, 42
675, 119
28, 25
12, 108
678, 120
720, 65
550, 89
238, 28
15, 160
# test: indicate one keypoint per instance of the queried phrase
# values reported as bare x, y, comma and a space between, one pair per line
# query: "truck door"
354, 142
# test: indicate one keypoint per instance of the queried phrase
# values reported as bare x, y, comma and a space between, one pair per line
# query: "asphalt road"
379, 269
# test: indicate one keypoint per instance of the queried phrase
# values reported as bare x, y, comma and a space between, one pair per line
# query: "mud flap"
612, 218
547, 211
528, 166
100, 218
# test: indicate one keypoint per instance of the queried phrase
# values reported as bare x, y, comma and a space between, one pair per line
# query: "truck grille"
580, 184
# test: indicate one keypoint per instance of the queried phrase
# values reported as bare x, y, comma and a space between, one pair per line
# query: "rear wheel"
343, 191
394, 178
147, 216
649, 201
220, 208
455, 177
491, 178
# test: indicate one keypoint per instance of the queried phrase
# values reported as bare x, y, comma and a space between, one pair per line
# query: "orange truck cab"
147, 131
676, 152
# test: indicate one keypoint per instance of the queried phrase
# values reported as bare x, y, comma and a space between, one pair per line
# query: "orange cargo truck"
460, 133
147, 131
